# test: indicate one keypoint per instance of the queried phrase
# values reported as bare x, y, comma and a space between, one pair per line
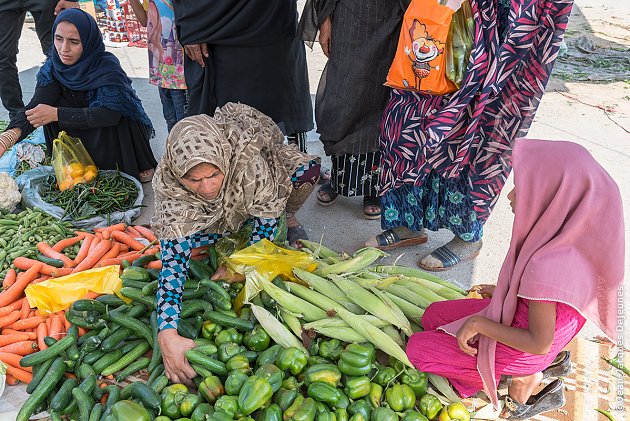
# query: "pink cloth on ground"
437, 352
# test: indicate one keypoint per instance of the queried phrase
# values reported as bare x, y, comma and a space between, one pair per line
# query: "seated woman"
82, 90
219, 174
563, 266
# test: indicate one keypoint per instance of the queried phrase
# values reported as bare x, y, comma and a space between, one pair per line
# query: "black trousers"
12, 13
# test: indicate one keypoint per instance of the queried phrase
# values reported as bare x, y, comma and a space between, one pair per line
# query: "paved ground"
596, 115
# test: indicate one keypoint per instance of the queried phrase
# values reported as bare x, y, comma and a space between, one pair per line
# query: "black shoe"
560, 367
548, 399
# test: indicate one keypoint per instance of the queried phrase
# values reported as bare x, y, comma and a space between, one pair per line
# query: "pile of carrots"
23, 329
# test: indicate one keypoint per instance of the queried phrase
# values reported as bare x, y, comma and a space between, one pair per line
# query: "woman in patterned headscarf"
219, 175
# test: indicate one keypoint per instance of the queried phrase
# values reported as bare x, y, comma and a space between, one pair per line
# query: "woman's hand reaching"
41, 115
174, 348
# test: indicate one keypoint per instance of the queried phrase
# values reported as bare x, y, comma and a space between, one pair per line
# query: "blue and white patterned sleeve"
263, 228
175, 261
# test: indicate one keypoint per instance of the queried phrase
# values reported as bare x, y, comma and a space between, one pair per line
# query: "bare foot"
402, 232
462, 249
293, 223
146, 175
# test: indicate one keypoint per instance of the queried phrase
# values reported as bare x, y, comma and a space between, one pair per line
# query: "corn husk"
338, 322
413, 312
443, 386
293, 304
328, 289
417, 273
313, 297
395, 310
292, 321
408, 295
392, 332
421, 290
318, 249
442, 291
276, 329
346, 334
361, 260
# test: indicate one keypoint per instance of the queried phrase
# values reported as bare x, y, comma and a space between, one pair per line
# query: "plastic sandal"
371, 201
389, 239
447, 258
550, 398
327, 189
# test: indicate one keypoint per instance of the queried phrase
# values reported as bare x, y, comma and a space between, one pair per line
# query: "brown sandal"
389, 239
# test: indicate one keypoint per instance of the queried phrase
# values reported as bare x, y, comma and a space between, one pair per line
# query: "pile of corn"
348, 299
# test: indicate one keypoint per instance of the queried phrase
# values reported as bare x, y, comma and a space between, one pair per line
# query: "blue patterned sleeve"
175, 261
263, 228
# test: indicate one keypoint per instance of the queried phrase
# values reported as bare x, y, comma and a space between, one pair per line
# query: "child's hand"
485, 290
466, 335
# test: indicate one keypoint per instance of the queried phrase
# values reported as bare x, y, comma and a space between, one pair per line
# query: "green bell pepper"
272, 374
257, 339
170, 404
400, 397
357, 387
383, 414
228, 350
357, 417
237, 362
188, 405
208, 329
227, 404
361, 407
326, 416
430, 406
271, 413
160, 418
376, 395
290, 383
323, 392
341, 414
316, 359
211, 388
330, 349
303, 409
228, 335
321, 408
384, 376
284, 398
127, 410
294, 359
414, 416
327, 373
395, 364
454, 412
269, 355
235, 381
203, 409
356, 360
220, 416
175, 389
417, 380
254, 393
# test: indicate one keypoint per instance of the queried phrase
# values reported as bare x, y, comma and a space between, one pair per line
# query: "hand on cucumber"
224, 274
174, 348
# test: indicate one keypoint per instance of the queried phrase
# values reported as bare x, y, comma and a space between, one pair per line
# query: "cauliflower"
9, 193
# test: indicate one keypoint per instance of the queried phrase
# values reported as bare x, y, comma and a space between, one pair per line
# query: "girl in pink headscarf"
563, 266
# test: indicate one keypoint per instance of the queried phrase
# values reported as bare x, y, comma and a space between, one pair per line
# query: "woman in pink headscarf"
563, 267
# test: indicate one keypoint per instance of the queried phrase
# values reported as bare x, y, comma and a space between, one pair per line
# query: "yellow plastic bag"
58, 294
71, 162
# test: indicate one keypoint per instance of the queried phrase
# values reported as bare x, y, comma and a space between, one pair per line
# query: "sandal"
296, 233
147, 176
324, 175
389, 239
550, 398
447, 258
560, 367
371, 201
327, 189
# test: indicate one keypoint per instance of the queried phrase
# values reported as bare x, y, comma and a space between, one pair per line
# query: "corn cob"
443, 386
392, 332
346, 334
397, 312
294, 304
362, 259
312, 297
442, 291
318, 249
413, 312
408, 295
292, 322
328, 289
372, 304
337, 322
416, 328
417, 273
421, 290
276, 330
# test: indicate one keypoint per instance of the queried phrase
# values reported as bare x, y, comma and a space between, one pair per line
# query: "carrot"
123, 247
12, 381
25, 263
15, 337
31, 314
112, 253
14, 360
64, 322
29, 323
31, 335
82, 331
95, 255
146, 232
94, 243
41, 334
66, 242
108, 230
153, 250
41, 279
48, 322
21, 375
16, 305
26, 308
156, 264
20, 348
127, 239
56, 327
12, 294
133, 232
91, 295
48, 251
9, 278
129, 254
10, 318
85, 247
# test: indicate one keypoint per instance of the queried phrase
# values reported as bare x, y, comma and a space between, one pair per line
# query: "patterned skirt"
355, 175
437, 203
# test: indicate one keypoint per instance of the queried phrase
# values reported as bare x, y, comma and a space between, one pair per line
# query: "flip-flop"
324, 175
147, 177
447, 258
371, 201
327, 189
296, 233
548, 399
389, 239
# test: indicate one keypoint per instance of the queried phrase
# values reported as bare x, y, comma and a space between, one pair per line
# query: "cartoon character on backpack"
424, 49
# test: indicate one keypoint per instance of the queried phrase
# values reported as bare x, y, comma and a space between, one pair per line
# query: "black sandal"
548, 399
447, 258
560, 367
327, 189
324, 175
294, 234
371, 201
389, 239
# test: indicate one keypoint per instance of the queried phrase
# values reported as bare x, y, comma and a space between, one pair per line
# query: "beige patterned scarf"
248, 147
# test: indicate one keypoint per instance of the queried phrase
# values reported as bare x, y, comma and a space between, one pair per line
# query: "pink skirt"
435, 351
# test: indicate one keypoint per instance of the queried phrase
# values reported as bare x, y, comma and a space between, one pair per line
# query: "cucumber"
128, 346
138, 390
63, 395
160, 383
209, 349
115, 339
91, 306
86, 321
229, 321
150, 288
40, 372
209, 363
73, 352
203, 372
213, 258
92, 344
154, 274
136, 295
190, 294
87, 385
113, 395
193, 307
199, 270
49, 341
218, 295
144, 260
132, 283
134, 325
132, 368
48, 353
85, 370
83, 402
93, 356
127, 359
85, 337
43, 389
186, 329
96, 412
111, 300
156, 355
107, 359
157, 372
49, 260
